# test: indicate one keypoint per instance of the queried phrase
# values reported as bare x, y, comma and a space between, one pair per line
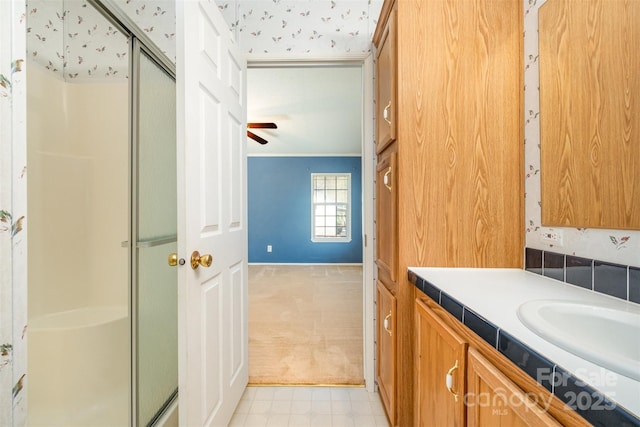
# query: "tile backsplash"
617, 280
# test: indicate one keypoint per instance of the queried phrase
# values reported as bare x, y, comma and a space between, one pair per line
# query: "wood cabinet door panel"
387, 213
492, 399
439, 349
386, 86
386, 348
459, 99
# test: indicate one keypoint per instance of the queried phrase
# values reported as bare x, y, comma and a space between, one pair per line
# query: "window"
331, 207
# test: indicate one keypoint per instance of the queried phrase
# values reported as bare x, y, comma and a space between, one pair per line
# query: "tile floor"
309, 406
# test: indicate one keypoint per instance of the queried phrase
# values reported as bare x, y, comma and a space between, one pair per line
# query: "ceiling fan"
259, 125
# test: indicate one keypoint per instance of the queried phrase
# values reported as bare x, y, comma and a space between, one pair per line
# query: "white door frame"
365, 61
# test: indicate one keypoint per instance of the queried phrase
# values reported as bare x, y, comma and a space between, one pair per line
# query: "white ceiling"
318, 110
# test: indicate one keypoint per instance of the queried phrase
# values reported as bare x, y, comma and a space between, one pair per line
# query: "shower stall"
101, 147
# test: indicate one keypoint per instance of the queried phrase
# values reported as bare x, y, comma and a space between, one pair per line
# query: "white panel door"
212, 317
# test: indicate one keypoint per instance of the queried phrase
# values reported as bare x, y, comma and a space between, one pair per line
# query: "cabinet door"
440, 371
494, 400
459, 103
386, 349
386, 212
386, 86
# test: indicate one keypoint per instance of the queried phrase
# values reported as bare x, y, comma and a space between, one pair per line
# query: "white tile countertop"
496, 294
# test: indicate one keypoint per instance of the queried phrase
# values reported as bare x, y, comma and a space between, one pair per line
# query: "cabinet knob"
449, 381
385, 179
385, 113
386, 323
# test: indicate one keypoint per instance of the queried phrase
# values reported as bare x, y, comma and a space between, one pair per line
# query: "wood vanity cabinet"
449, 78
490, 389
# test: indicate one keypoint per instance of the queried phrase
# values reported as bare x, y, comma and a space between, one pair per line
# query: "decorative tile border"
617, 280
592, 405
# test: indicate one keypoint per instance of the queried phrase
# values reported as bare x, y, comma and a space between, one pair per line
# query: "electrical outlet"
552, 236
269, 248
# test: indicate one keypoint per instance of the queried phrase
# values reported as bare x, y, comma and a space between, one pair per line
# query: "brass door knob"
173, 260
200, 260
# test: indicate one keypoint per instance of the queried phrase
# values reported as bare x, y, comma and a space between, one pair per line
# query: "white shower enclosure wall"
78, 270
102, 330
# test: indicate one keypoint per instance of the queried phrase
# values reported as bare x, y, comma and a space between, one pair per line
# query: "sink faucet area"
607, 335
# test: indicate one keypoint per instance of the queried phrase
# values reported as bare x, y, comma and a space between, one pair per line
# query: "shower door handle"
200, 260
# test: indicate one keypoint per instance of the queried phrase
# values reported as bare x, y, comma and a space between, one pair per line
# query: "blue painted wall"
279, 193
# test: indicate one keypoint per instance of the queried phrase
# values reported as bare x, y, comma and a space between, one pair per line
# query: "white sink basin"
606, 336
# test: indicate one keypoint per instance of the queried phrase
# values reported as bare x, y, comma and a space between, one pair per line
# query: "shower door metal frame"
139, 42
138, 49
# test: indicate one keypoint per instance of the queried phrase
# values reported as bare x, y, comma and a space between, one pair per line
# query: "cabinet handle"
386, 323
385, 179
385, 113
449, 381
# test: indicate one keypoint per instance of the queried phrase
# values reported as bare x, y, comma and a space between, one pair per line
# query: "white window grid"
331, 207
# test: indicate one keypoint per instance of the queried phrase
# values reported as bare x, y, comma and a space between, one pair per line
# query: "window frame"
320, 239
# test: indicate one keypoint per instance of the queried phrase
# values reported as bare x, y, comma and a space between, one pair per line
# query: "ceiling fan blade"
262, 126
256, 138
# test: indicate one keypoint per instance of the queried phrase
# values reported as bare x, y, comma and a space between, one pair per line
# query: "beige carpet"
305, 324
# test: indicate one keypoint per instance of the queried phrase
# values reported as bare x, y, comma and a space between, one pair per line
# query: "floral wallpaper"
73, 40
13, 224
157, 18
302, 27
618, 246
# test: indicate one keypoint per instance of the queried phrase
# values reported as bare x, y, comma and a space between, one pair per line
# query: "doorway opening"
324, 125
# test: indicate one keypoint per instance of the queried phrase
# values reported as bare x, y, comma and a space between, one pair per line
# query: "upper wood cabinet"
460, 133
386, 86
450, 84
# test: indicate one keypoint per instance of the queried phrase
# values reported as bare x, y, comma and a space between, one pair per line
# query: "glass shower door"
155, 227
